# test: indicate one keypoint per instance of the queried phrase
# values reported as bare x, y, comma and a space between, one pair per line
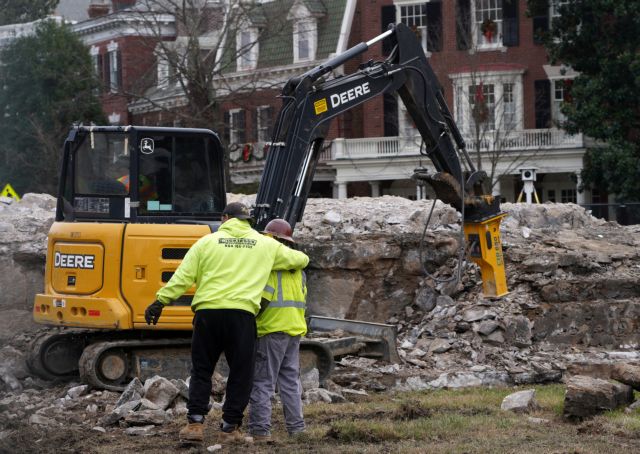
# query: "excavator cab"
141, 174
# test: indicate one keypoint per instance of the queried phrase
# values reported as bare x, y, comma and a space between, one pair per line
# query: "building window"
304, 40
488, 22
568, 196
415, 17
492, 101
237, 126
551, 195
247, 49
561, 94
264, 126
509, 107
482, 103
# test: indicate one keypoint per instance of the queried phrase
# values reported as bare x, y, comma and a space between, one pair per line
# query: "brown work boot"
193, 432
261, 439
230, 433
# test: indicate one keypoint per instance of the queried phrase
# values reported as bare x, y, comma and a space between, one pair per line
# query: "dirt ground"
456, 421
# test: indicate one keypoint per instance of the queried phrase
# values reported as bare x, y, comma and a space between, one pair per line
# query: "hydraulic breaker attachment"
485, 249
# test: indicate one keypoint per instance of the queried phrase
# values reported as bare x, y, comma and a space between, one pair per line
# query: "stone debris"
572, 281
587, 396
143, 431
77, 391
160, 391
214, 448
627, 374
520, 402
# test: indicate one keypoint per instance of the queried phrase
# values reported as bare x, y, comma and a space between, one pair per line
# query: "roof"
276, 32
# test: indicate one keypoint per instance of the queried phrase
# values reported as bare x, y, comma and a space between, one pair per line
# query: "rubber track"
91, 354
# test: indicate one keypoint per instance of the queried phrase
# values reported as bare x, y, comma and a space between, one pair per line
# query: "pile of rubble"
573, 306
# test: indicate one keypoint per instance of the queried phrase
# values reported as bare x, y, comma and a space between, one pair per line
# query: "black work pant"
234, 333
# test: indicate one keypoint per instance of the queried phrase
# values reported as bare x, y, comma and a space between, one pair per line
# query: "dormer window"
304, 16
247, 49
304, 40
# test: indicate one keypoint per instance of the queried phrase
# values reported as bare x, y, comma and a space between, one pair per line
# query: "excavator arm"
310, 101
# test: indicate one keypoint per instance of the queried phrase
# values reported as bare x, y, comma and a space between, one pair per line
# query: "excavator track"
111, 365
107, 363
54, 356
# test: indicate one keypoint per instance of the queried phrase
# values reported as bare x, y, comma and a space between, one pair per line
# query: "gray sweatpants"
277, 362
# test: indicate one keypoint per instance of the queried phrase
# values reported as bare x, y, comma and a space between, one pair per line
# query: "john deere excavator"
132, 200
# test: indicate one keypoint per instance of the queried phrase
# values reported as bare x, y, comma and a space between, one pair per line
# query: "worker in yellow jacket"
230, 269
281, 323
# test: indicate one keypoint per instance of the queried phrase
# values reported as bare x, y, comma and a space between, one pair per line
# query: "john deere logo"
147, 146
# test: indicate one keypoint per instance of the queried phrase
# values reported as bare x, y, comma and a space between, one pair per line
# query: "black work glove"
152, 313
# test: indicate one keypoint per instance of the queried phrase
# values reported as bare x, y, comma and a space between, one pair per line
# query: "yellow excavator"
132, 200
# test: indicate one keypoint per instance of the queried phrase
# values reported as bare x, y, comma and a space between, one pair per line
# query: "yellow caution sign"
8, 191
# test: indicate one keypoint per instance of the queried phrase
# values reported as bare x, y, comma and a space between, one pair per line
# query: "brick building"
504, 95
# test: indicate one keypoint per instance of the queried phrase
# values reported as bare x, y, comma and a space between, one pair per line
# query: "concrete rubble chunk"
214, 448
77, 391
474, 315
520, 402
160, 391
587, 396
439, 346
143, 431
182, 386
99, 429
487, 327
40, 420
310, 379
146, 417
119, 412
146, 404
10, 381
332, 218
133, 391
628, 374
322, 395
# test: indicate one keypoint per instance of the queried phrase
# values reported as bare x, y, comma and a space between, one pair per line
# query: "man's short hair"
237, 210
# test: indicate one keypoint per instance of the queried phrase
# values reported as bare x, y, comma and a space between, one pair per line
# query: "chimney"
98, 8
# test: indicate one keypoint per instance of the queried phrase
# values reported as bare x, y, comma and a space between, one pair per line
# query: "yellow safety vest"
286, 292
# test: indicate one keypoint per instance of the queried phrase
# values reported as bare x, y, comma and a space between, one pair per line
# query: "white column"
342, 190
334, 187
580, 195
375, 188
419, 194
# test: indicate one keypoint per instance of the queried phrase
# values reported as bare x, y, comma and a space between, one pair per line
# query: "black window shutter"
254, 125
543, 103
390, 108
510, 30
540, 22
227, 132
434, 26
242, 126
99, 71
463, 24
387, 16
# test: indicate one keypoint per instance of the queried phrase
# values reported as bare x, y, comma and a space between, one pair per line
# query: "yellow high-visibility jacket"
230, 268
286, 292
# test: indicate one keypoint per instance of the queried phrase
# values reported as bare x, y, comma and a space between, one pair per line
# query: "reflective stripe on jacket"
286, 292
230, 268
